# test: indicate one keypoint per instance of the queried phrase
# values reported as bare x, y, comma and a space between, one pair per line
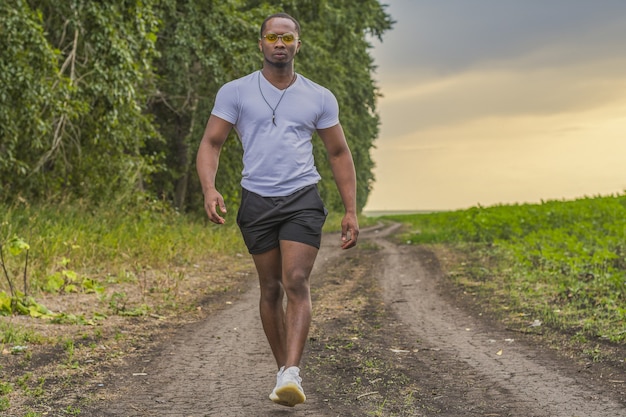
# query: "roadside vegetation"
559, 265
73, 248
81, 285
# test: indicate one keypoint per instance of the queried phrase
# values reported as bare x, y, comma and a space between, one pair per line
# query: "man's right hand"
212, 200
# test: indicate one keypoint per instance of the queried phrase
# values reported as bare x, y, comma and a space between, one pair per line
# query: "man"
275, 113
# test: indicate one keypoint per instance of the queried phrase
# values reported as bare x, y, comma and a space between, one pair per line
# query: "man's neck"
280, 77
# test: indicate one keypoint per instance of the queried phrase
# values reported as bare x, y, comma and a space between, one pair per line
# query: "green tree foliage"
99, 100
73, 93
202, 45
31, 95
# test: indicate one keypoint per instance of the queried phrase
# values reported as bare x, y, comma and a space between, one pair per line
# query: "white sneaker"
288, 389
273, 395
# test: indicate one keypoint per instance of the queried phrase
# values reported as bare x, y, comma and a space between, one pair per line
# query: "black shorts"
264, 221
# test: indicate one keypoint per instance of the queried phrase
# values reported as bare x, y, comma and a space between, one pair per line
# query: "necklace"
279, 100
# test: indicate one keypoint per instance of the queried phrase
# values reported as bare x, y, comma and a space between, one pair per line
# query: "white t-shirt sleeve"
330, 113
227, 103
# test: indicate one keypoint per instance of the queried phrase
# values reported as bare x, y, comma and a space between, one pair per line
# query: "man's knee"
271, 292
296, 283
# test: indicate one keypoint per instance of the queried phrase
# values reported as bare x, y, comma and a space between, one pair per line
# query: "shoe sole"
273, 397
289, 395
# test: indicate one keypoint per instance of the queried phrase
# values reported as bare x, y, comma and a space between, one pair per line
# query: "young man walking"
275, 112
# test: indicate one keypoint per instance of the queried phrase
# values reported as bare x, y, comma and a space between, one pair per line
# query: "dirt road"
387, 340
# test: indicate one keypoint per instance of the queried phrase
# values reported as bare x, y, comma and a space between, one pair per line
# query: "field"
563, 262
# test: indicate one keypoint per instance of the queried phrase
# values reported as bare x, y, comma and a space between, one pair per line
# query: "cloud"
450, 61
443, 37
499, 101
500, 92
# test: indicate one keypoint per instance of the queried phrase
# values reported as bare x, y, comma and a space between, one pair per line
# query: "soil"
391, 336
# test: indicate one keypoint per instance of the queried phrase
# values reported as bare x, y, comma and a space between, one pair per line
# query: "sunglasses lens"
287, 38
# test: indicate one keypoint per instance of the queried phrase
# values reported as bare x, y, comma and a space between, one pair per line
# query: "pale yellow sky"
542, 119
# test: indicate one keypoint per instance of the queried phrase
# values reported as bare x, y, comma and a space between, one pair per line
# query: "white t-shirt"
277, 159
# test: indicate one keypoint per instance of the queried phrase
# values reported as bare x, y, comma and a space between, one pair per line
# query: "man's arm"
207, 161
342, 165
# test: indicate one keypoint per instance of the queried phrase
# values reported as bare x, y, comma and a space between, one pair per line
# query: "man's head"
279, 39
282, 16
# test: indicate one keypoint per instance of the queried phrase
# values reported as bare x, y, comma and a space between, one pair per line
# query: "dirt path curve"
223, 366
532, 380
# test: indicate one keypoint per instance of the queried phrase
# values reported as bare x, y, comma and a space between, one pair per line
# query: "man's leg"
297, 263
286, 331
269, 268
287, 267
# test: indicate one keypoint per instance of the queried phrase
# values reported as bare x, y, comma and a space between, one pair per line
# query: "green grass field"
560, 262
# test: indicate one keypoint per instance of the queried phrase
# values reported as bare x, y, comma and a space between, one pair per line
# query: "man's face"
280, 52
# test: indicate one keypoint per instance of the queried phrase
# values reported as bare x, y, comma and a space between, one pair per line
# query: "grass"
106, 262
78, 248
78, 237
113, 243
12, 334
560, 262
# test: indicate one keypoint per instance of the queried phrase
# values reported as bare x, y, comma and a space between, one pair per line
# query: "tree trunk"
183, 151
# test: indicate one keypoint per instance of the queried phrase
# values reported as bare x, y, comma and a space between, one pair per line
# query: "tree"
32, 96
81, 72
99, 100
202, 45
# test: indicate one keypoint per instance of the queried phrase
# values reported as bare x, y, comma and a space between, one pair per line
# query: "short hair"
279, 15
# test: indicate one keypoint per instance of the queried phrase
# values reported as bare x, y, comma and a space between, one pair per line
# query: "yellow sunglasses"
287, 38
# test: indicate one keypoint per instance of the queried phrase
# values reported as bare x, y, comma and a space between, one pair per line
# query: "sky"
489, 102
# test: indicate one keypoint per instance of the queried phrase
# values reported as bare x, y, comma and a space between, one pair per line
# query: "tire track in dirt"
222, 366
533, 380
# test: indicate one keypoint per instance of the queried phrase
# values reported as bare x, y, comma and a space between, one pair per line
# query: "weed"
97, 334
5, 388
22, 381
381, 408
72, 411
119, 335
26, 358
70, 349
18, 335
4, 404
117, 302
371, 363
595, 353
